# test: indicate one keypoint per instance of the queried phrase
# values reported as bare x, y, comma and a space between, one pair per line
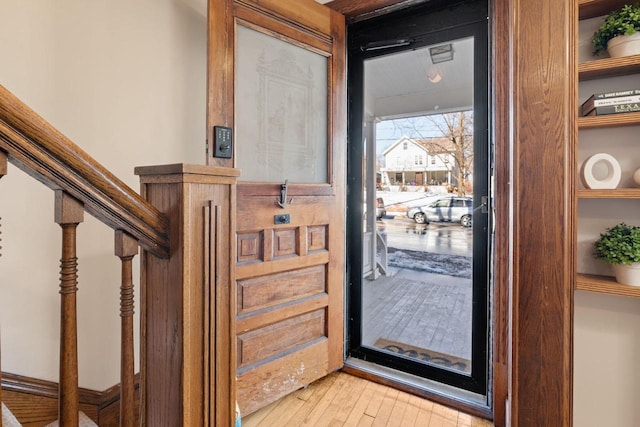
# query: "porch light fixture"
442, 53
434, 75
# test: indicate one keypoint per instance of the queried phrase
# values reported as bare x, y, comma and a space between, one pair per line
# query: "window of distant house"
433, 160
405, 145
418, 160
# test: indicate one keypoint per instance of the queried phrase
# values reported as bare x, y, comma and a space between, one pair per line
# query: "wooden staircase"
186, 374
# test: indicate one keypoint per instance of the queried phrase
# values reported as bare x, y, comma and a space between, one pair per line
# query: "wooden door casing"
289, 282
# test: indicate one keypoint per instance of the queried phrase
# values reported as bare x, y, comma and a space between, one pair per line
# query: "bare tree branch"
455, 141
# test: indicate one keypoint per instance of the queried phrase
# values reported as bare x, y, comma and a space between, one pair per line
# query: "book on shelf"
630, 107
609, 98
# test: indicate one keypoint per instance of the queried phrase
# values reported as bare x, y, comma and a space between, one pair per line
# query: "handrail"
43, 152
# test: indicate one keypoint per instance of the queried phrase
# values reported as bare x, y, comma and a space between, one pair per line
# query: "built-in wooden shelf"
609, 67
597, 69
618, 193
609, 120
592, 8
605, 285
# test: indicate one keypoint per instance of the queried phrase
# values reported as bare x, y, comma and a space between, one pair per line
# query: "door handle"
484, 206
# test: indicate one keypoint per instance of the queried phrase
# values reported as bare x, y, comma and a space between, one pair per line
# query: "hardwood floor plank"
397, 414
342, 400
320, 390
447, 413
438, 420
306, 393
388, 401
479, 422
366, 421
314, 418
283, 411
424, 413
411, 413
254, 419
464, 420
346, 402
376, 401
359, 409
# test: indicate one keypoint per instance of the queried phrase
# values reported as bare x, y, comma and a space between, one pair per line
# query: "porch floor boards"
341, 399
425, 310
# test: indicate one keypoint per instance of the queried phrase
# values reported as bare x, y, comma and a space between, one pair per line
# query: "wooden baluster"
126, 247
68, 214
3, 163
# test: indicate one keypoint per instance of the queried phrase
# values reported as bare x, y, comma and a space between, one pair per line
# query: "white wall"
125, 80
606, 328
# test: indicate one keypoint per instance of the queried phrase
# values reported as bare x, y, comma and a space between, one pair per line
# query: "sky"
389, 131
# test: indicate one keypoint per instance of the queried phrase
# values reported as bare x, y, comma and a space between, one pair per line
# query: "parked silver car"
450, 209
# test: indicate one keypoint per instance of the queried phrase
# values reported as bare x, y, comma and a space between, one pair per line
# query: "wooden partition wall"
543, 134
187, 349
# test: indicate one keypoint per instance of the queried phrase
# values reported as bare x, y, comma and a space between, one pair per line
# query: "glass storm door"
419, 229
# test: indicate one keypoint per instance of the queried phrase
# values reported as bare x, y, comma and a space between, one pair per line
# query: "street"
442, 238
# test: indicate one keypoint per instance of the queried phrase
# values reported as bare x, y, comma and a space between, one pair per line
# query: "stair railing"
82, 184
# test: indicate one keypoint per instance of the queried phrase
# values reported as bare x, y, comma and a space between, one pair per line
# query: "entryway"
419, 276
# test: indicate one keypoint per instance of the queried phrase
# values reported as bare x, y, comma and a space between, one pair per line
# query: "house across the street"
416, 162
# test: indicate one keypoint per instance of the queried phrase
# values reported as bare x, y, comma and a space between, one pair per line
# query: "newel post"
68, 214
187, 301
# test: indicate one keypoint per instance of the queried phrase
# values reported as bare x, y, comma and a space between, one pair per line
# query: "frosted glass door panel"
281, 110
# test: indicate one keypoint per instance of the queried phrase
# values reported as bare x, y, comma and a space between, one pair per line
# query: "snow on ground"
397, 203
450, 265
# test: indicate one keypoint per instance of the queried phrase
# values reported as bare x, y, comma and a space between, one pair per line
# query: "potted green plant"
620, 247
619, 34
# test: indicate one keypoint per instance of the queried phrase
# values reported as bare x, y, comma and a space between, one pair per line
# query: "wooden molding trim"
112, 394
357, 10
500, 48
43, 152
23, 394
354, 8
44, 388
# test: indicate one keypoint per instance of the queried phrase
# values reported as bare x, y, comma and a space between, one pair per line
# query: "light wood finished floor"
344, 400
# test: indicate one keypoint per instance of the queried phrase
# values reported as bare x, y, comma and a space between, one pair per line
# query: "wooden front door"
288, 119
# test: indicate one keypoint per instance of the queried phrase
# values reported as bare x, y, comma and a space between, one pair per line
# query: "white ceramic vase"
627, 274
624, 45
